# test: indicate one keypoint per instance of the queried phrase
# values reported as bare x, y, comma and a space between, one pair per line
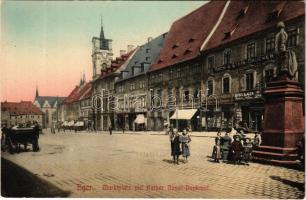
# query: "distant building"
77, 106
48, 105
14, 113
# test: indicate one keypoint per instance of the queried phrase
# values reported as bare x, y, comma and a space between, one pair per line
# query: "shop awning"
140, 119
184, 114
79, 123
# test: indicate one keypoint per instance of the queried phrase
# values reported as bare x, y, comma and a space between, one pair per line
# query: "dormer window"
273, 15
230, 33
174, 46
174, 56
191, 40
242, 12
159, 61
187, 52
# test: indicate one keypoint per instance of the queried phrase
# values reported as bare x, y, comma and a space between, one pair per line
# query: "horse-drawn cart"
17, 136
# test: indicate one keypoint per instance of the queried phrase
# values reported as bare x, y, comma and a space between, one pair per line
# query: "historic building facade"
175, 79
240, 58
132, 94
103, 95
14, 113
77, 106
48, 105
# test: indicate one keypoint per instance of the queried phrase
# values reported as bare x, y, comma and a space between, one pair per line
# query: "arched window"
226, 83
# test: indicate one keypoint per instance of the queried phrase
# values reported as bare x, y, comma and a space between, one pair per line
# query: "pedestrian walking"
110, 129
185, 140
175, 147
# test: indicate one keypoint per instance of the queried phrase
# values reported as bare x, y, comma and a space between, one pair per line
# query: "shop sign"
247, 95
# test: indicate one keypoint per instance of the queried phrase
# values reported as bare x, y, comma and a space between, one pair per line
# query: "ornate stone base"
283, 121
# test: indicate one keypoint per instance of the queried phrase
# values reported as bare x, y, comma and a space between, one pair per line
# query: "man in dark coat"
175, 147
110, 129
237, 149
226, 141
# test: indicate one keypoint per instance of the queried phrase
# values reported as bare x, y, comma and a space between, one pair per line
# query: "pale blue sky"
55, 37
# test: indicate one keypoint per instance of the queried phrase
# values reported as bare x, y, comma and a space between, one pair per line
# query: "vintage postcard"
153, 99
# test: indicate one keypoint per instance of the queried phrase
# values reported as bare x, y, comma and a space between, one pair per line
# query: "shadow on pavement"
299, 186
19, 182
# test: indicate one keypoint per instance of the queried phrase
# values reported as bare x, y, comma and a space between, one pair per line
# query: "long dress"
185, 139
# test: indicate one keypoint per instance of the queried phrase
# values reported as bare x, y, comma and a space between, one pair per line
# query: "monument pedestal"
283, 121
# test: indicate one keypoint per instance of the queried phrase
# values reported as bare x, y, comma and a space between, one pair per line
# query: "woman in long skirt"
185, 140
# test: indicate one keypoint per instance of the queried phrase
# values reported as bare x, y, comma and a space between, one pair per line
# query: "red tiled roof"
254, 19
116, 64
20, 108
78, 93
188, 33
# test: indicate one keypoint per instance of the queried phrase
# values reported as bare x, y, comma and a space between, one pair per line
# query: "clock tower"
102, 53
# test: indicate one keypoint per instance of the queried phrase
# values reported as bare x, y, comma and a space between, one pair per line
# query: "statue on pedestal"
287, 63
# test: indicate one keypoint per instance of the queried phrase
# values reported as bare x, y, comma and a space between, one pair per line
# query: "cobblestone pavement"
139, 165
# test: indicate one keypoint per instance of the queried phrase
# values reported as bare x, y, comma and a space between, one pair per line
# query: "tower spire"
36, 94
102, 32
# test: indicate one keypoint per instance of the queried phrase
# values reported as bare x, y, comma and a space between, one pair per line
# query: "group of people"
237, 148
180, 144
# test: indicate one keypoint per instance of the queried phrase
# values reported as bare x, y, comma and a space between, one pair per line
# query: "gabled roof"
188, 33
20, 108
144, 56
243, 18
116, 65
50, 99
79, 93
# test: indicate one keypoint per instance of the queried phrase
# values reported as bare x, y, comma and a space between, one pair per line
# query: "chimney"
130, 48
122, 52
150, 39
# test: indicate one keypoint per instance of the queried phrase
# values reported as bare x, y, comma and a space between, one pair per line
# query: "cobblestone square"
139, 165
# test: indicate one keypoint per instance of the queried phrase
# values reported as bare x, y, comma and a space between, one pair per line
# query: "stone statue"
287, 62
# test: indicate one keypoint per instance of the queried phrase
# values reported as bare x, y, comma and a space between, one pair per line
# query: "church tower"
102, 53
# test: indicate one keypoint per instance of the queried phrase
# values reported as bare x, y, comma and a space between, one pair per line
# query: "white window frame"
227, 75
213, 81
246, 49
225, 51
254, 78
